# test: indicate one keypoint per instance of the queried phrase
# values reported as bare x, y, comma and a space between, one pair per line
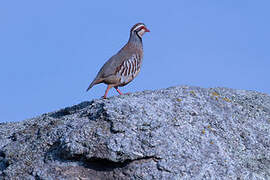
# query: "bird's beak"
146, 30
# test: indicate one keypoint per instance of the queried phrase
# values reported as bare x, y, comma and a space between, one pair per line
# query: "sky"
51, 50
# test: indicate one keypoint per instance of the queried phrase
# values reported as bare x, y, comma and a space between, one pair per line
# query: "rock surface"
176, 133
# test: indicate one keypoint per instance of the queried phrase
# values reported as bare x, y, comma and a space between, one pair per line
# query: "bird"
125, 65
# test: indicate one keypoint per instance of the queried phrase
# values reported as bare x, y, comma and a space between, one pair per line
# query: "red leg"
118, 90
107, 90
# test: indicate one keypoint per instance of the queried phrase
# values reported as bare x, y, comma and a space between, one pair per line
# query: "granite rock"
175, 133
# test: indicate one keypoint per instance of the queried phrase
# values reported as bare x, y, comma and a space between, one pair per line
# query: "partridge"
125, 65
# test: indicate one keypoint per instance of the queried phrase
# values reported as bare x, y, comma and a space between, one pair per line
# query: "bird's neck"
135, 40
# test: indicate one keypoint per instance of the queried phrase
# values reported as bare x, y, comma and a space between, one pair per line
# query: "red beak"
146, 30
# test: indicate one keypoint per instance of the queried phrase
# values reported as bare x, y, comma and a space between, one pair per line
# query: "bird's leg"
107, 90
118, 90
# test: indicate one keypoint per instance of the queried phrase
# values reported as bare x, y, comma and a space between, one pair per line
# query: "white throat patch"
141, 32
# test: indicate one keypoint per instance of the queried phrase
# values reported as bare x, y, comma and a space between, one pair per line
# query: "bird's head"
139, 29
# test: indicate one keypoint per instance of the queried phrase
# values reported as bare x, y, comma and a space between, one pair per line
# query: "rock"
176, 133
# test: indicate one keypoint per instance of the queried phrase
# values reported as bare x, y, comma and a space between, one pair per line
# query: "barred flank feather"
129, 69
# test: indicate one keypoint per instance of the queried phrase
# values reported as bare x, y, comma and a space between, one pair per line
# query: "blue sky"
51, 50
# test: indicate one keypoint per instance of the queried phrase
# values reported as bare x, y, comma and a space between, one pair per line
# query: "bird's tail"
96, 81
